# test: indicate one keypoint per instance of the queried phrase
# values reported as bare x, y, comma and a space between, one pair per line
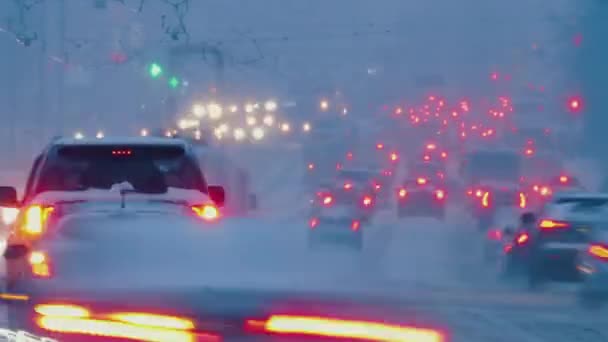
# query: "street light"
306, 127
258, 133
78, 135
143, 132
239, 134
324, 105
99, 135
198, 110
268, 120
270, 106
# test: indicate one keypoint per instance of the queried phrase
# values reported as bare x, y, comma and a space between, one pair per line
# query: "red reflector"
495, 234
344, 329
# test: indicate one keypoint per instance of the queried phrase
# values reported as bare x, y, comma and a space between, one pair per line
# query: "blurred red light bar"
345, 329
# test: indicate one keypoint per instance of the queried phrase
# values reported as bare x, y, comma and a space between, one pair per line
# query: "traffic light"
174, 82
155, 70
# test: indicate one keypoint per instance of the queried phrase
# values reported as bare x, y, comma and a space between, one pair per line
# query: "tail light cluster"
598, 251
34, 218
207, 212
485, 198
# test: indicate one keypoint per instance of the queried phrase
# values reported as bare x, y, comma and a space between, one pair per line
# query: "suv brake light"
35, 218
551, 224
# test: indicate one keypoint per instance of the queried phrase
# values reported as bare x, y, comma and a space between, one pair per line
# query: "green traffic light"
174, 82
155, 70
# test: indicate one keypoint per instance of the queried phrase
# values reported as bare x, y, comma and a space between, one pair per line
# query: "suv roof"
122, 141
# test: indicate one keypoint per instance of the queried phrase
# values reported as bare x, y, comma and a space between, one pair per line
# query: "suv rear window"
148, 168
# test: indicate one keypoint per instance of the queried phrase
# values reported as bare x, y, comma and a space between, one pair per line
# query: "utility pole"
54, 61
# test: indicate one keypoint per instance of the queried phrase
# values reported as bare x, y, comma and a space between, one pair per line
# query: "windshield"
494, 166
424, 118
149, 169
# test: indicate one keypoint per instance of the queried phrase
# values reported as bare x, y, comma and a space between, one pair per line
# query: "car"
550, 251
361, 185
122, 275
421, 197
492, 180
334, 221
70, 172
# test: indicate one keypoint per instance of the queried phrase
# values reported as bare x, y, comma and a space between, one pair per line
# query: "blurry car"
565, 227
109, 276
110, 172
421, 197
338, 222
365, 186
500, 234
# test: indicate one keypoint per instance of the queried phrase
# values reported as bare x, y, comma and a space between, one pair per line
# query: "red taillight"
394, 156
348, 186
349, 156
444, 155
207, 212
421, 181
495, 234
598, 251
328, 200
426, 157
313, 222
355, 225
545, 191
367, 201
39, 264
551, 224
522, 200
311, 166
34, 219
522, 238
479, 193
377, 187
440, 194
563, 179
485, 200
431, 146
529, 151
337, 328
338, 166
402, 193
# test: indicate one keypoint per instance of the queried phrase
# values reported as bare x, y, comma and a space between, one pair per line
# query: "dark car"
549, 251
